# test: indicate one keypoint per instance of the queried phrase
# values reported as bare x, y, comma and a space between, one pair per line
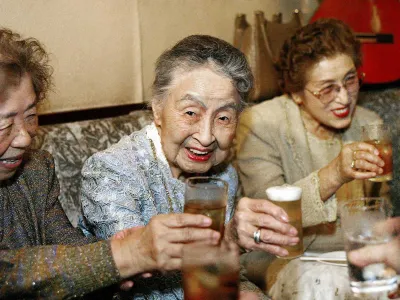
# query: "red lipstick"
341, 113
197, 157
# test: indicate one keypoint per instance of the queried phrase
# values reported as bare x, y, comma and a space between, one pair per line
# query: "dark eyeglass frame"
337, 88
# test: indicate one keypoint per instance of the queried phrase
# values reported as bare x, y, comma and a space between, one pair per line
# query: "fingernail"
284, 218
293, 231
376, 152
284, 252
216, 235
292, 243
207, 221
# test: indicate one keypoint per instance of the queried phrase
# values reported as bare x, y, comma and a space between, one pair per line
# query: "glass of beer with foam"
289, 199
207, 196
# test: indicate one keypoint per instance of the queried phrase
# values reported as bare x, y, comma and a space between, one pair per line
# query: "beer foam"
284, 193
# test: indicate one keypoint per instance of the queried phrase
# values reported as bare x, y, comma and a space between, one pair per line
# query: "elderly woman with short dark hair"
310, 137
200, 87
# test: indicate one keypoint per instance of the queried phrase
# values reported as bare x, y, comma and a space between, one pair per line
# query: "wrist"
332, 171
118, 256
126, 262
329, 181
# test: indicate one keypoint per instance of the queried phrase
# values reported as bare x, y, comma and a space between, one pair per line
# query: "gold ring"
353, 163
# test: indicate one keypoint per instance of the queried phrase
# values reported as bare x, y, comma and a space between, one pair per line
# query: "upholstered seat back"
72, 143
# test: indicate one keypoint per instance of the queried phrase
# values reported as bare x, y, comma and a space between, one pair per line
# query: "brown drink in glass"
379, 136
289, 199
211, 272
207, 196
385, 152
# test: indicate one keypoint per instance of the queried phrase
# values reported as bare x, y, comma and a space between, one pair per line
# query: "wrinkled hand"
158, 245
254, 214
386, 253
367, 163
126, 285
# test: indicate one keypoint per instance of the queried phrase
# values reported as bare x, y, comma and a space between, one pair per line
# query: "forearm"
56, 271
329, 182
314, 209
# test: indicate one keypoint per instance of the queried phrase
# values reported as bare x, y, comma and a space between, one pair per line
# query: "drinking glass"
207, 196
211, 272
379, 135
362, 221
289, 199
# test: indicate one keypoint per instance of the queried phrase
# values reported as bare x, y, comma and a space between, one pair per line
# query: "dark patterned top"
31, 216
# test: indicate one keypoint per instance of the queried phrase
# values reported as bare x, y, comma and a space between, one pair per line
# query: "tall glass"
361, 225
379, 135
289, 199
211, 272
207, 196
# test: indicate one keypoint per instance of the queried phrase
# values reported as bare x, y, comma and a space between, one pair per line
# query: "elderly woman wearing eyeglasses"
308, 137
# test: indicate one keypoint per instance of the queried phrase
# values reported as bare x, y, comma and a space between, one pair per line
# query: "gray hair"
19, 56
196, 51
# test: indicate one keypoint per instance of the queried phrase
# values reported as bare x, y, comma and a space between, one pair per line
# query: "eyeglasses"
351, 84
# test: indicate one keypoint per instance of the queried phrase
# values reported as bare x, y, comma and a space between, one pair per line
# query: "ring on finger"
257, 235
353, 164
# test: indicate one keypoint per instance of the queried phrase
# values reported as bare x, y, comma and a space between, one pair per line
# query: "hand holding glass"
379, 136
362, 221
289, 199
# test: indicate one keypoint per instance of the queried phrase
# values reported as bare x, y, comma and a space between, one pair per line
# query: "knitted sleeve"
56, 271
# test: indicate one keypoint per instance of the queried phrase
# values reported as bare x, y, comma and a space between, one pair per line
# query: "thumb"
368, 255
126, 285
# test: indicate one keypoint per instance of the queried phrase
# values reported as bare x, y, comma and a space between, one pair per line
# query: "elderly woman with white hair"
199, 90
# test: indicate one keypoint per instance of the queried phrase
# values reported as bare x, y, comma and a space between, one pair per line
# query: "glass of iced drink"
362, 221
289, 199
211, 272
379, 135
207, 196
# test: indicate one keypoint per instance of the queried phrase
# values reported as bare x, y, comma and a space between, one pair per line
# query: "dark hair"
198, 50
323, 38
19, 56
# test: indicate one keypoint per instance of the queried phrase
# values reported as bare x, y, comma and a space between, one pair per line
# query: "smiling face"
197, 120
18, 124
322, 77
